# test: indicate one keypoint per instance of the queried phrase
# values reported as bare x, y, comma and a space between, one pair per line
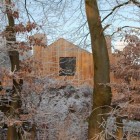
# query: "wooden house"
63, 60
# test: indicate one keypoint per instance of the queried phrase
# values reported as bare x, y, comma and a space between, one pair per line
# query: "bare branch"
28, 14
114, 9
120, 29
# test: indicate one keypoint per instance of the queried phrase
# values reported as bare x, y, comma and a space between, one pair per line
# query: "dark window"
67, 66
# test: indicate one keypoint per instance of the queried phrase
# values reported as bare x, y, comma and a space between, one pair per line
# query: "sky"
67, 19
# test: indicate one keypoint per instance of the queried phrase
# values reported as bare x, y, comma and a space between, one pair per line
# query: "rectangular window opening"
67, 66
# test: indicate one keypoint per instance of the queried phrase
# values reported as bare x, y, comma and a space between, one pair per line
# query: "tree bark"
102, 92
12, 132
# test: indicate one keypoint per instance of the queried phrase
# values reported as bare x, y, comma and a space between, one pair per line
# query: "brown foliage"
127, 70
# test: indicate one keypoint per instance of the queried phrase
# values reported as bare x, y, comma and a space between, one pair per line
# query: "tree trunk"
12, 133
14, 58
102, 92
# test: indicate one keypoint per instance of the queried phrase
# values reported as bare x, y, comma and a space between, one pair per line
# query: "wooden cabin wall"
49, 58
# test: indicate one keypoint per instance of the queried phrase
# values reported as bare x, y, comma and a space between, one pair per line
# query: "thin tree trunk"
14, 58
102, 92
12, 132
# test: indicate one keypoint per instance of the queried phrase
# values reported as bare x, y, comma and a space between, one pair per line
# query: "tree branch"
119, 29
115, 8
28, 14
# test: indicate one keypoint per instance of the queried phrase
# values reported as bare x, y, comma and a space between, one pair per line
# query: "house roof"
64, 40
